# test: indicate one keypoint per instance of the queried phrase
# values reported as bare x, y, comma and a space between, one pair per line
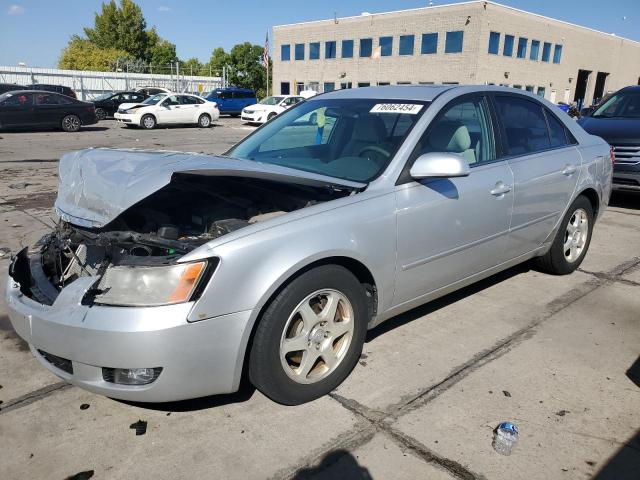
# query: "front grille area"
62, 363
627, 154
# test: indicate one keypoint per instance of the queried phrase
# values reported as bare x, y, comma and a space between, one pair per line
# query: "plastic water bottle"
505, 437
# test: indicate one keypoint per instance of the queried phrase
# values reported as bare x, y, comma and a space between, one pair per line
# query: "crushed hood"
96, 185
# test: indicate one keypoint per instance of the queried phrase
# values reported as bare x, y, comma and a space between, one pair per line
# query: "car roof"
630, 88
391, 92
238, 89
39, 92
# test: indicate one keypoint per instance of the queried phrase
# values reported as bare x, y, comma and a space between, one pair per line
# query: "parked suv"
10, 87
68, 91
232, 100
617, 121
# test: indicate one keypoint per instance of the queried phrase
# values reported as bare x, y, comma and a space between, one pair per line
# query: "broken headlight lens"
149, 286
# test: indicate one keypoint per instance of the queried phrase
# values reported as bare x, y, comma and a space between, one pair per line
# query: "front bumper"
198, 359
256, 117
127, 118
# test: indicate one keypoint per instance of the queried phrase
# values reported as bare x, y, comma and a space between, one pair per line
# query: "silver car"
171, 275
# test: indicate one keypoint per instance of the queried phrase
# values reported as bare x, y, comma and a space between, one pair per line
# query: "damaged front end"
135, 257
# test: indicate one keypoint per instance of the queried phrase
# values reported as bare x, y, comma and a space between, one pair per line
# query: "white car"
168, 108
269, 107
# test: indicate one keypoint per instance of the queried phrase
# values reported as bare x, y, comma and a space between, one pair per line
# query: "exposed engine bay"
188, 212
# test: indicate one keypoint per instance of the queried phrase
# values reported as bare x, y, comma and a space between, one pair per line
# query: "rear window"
557, 131
524, 125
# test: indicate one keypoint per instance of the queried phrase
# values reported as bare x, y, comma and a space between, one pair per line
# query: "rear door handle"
500, 189
569, 170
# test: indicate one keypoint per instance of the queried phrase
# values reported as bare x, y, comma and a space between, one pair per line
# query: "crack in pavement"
382, 420
611, 278
34, 396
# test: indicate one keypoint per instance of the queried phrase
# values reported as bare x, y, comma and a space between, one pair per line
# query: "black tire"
271, 115
148, 122
204, 121
555, 261
101, 114
71, 123
266, 371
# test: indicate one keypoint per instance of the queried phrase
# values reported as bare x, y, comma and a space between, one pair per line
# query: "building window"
386, 46
529, 88
507, 50
314, 51
429, 43
299, 51
347, 48
546, 51
522, 47
557, 53
329, 86
453, 42
364, 84
535, 50
404, 83
285, 52
406, 44
329, 49
382, 84
285, 89
541, 91
299, 87
344, 85
366, 45
494, 43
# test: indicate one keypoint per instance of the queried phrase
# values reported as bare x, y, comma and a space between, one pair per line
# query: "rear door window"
524, 125
47, 99
557, 131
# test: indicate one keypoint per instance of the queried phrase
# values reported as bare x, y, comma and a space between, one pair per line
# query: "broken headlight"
149, 286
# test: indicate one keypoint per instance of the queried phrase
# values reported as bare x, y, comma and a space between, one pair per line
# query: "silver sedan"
171, 275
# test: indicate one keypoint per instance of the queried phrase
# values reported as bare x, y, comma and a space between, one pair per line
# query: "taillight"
91, 109
612, 154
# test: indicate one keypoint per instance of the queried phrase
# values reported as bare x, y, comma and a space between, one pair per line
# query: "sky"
35, 31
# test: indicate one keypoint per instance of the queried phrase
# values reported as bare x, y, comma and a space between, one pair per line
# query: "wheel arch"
356, 267
593, 197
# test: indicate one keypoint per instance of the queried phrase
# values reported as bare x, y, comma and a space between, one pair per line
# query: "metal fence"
88, 84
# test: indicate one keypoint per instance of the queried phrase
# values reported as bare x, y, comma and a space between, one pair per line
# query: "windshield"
271, 100
351, 139
155, 99
104, 96
620, 105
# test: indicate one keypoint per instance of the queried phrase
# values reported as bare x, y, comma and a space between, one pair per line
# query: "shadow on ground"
335, 465
445, 301
625, 200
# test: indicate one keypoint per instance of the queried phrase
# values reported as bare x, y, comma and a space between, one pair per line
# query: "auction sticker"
409, 108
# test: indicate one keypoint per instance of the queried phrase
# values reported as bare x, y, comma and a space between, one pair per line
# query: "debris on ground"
4, 252
86, 475
562, 413
20, 185
506, 393
84, 406
140, 427
505, 438
168, 413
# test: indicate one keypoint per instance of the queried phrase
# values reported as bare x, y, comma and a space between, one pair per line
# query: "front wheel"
572, 240
204, 121
71, 123
310, 336
148, 122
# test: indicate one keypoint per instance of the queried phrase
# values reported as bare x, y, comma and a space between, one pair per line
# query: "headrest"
450, 136
369, 129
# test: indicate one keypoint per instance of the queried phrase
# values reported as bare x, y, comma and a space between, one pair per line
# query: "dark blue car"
231, 100
617, 121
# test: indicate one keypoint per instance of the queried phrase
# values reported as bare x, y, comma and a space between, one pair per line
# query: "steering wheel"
374, 148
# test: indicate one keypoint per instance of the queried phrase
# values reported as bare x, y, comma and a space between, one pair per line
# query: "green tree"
81, 54
246, 68
219, 58
160, 52
122, 27
193, 65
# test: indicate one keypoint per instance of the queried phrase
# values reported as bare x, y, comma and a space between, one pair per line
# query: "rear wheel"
572, 240
204, 121
310, 336
101, 114
148, 122
71, 123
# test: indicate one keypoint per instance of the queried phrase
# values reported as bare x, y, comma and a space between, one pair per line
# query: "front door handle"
569, 170
500, 189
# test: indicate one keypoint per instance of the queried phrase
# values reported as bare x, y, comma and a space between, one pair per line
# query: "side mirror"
439, 165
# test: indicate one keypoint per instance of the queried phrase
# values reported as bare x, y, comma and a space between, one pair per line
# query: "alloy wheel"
575, 236
317, 336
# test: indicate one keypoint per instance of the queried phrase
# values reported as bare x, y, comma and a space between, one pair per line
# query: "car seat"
453, 137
